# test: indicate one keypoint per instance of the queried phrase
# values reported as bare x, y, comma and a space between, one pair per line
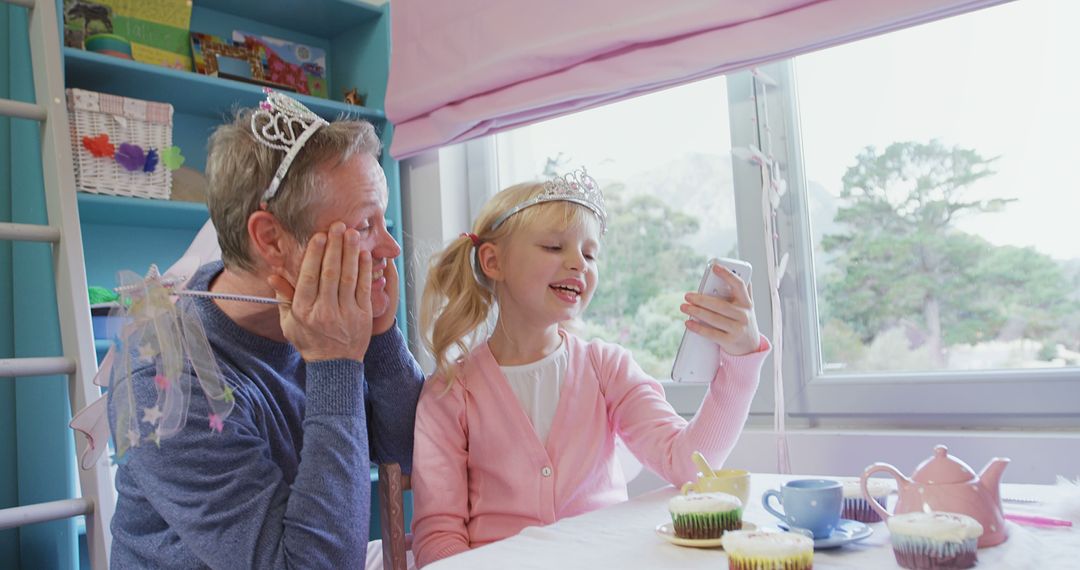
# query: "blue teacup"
813, 504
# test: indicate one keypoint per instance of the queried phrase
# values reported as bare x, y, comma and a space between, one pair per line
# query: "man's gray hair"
239, 169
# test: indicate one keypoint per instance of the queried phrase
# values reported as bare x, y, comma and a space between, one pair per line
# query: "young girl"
520, 431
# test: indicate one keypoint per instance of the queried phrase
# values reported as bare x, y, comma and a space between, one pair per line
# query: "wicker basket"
125, 120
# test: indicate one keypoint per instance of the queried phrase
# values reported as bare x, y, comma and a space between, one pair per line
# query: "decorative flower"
216, 423
171, 158
99, 146
130, 156
151, 160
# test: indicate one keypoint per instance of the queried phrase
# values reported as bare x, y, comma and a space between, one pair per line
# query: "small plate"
667, 532
847, 531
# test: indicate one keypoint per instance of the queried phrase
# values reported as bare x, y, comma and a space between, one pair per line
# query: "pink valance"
466, 68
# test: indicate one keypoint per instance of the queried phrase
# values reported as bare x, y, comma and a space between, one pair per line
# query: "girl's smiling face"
547, 270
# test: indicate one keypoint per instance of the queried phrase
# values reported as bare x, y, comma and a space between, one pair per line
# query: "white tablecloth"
622, 536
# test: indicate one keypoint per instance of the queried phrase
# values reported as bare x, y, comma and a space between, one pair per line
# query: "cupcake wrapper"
919, 553
860, 510
798, 562
706, 525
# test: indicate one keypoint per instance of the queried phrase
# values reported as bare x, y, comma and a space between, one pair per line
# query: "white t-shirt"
537, 387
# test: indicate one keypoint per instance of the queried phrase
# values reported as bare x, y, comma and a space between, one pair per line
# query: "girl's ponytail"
454, 304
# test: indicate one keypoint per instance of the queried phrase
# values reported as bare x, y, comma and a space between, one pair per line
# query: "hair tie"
472, 237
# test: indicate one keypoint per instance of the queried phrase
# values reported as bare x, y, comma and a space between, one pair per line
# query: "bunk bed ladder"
79, 361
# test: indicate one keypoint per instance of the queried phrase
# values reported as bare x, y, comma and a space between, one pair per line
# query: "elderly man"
318, 385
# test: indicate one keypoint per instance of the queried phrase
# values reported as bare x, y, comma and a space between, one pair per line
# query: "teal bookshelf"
131, 233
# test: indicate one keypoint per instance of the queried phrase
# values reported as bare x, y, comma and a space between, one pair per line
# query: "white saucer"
667, 532
847, 531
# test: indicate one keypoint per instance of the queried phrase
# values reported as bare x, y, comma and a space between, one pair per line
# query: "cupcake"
856, 507
934, 541
705, 515
756, 550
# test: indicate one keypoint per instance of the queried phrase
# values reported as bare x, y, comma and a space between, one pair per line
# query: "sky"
1002, 81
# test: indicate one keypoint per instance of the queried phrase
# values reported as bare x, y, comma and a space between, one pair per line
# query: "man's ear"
269, 240
488, 257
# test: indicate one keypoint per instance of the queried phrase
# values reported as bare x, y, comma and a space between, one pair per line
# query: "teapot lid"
943, 468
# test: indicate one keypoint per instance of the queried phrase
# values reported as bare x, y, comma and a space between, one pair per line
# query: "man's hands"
326, 314
728, 322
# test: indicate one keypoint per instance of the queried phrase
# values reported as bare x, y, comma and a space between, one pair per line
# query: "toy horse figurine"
353, 97
89, 13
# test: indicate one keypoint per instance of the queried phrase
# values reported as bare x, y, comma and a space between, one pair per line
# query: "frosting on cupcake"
876, 487
949, 527
749, 543
703, 503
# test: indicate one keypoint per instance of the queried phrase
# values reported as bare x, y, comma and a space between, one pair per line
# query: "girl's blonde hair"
458, 298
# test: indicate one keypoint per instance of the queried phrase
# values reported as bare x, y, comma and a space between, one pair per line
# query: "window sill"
1037, 456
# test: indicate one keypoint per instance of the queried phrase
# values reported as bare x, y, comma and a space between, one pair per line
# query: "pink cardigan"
481, 474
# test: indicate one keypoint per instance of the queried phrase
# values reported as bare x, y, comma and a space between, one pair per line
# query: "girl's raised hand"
729, 323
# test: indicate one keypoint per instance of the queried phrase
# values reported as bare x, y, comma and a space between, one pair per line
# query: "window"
937, 164
933, 278
670, 196
930, 172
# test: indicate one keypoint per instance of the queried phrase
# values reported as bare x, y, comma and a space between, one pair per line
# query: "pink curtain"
466, 68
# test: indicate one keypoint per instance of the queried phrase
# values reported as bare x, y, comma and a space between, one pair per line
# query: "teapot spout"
990, 477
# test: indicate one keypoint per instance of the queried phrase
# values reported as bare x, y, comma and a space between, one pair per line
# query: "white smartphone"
698, 358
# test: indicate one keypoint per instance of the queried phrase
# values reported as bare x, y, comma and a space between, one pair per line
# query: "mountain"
699, 185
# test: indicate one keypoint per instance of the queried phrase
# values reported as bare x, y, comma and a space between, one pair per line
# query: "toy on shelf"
218, 57
83, 19
354, 97
156, 32
109, 44
117, 143
299, 67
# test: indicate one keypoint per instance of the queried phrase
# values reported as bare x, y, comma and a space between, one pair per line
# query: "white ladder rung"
69, 271
43, 512
22, 110
29, 232
39, 366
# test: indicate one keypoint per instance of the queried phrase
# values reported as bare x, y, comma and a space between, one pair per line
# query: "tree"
904, 267
901, 259
644, 271
642, 254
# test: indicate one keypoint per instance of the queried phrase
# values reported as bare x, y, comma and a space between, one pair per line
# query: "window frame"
985, 398
957, 399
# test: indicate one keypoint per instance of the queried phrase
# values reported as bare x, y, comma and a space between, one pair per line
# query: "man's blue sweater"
286, 483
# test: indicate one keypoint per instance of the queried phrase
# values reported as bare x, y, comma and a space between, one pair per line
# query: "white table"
622, 536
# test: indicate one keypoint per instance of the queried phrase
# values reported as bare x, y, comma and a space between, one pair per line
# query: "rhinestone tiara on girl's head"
575, 186
286, 124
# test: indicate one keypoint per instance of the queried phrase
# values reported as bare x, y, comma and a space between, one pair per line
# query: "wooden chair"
395, 542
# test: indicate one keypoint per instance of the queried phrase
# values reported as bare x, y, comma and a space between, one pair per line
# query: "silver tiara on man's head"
286, 124
576, 186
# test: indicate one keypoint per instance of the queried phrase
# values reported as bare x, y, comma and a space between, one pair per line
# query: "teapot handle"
876, 468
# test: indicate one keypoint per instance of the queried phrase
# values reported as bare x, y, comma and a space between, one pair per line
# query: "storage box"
125, 120
105, 327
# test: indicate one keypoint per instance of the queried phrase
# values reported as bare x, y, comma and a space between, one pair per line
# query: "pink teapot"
944, 483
